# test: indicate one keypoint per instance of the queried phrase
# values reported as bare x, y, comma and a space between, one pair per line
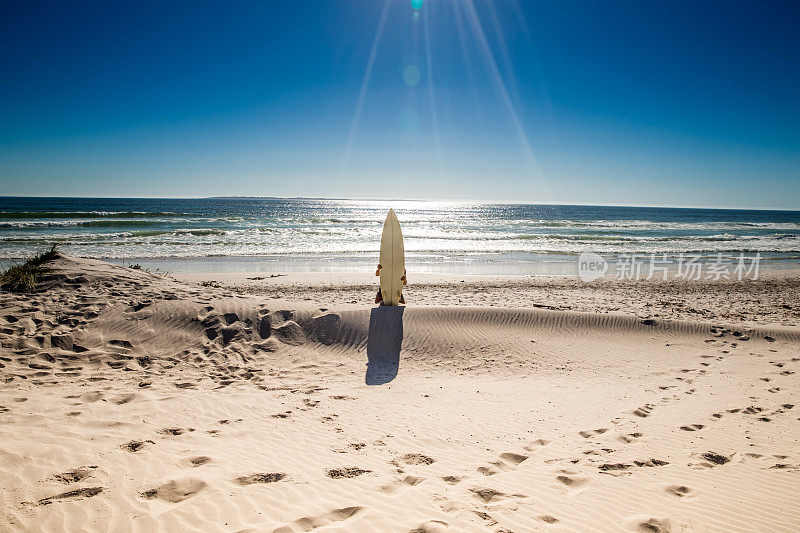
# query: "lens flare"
411, 75
362, 93
437, 140
500, 86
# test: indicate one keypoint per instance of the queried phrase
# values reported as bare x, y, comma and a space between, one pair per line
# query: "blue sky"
647, 103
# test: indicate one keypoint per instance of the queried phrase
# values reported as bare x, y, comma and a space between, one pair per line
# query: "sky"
685, 103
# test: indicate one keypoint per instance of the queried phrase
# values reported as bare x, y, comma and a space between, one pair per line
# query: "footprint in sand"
507, 461
784, 466
412, 480
590, 451
643, 411
629, 437
136, 445
194, 462
592, 432
175, 491
415, 459
657, 525
693, 427
91, 397
535, 445
409, 481
513, 458
650, 462
346, 472
487, 470
615, 468
73, 494
119, 343
547, 519
123, 399
487, 495
571, 479
431, 526
681, 491
489, 520
174, 431
73, 476
714, 459
267, 477
308, 523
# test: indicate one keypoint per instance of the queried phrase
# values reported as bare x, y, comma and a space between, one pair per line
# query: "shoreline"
513, 265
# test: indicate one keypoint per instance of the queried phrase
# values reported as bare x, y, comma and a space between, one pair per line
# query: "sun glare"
469, 35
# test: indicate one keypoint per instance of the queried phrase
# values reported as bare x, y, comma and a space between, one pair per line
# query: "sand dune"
773, 299
133, 402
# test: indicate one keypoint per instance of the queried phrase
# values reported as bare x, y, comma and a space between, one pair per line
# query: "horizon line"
431, 200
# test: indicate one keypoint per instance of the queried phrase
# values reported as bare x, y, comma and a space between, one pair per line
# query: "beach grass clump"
23, 278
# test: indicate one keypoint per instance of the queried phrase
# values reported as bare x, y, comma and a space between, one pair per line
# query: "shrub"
23, 278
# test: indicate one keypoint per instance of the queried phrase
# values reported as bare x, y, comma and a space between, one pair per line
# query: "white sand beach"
387, 266
136, 402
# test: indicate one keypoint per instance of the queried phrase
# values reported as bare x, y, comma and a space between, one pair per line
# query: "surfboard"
392, 260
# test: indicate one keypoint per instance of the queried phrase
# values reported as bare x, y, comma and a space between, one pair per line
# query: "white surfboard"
393, 262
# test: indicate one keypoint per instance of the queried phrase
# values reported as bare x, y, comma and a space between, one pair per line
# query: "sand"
137, 402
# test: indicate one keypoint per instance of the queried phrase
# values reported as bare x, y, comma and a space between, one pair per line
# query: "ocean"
273, 235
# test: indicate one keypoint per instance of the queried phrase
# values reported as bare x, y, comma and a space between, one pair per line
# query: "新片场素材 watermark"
695, 267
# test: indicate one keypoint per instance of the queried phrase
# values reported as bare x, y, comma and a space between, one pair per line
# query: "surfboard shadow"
383, 344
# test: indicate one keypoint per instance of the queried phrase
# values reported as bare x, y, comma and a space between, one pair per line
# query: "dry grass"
23, 278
